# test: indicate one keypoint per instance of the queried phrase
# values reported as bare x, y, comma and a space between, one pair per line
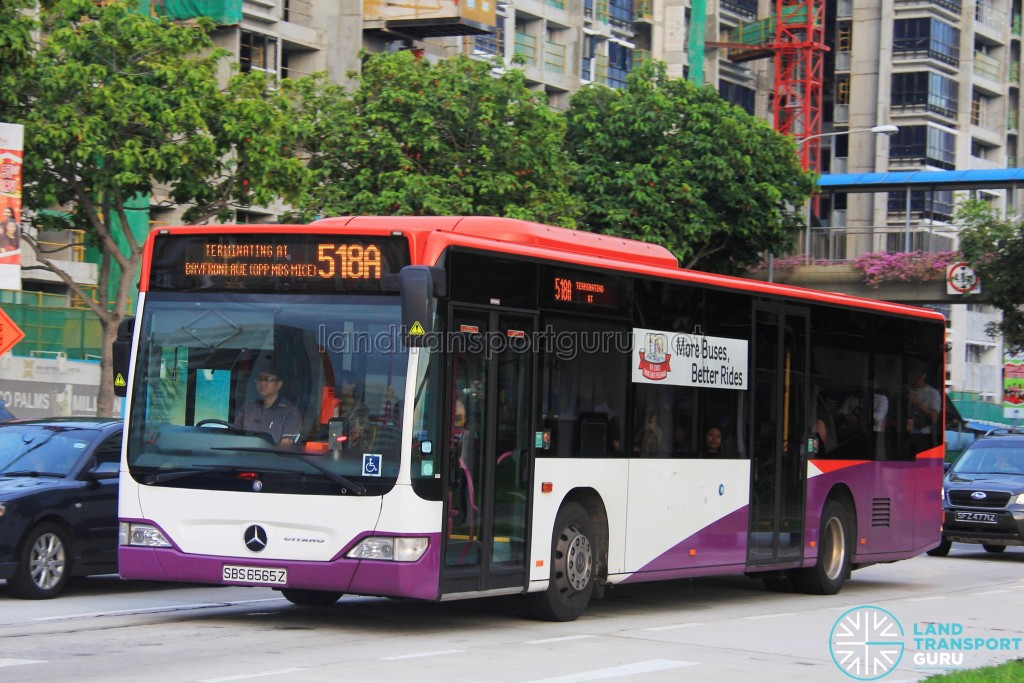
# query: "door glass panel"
468, 420
767, 433
512, 447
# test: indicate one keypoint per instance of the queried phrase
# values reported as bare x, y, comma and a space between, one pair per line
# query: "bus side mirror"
122, 352
418, 286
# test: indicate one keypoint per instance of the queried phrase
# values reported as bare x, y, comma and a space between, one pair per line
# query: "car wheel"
942, 549
311, 598
994, 548
43, 564
829, 574
573, 568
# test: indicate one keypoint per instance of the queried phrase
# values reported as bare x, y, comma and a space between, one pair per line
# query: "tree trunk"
105, 393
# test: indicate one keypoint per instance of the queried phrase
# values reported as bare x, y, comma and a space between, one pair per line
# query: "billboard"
49, 387
12, 136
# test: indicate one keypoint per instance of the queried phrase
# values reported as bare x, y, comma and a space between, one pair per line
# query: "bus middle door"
491, 449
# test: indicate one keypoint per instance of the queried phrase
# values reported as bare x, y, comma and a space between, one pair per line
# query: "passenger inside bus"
271, 413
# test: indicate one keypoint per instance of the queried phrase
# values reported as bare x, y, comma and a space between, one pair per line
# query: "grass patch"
1010, 672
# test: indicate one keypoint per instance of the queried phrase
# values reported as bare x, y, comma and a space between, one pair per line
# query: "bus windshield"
270, 392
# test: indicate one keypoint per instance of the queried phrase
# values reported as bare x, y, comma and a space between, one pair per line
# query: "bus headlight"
141, 534
389, 548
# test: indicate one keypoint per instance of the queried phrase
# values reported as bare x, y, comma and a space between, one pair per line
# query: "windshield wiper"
32, 473
181, 474
330, 474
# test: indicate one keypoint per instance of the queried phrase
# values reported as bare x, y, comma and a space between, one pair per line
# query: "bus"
450, 407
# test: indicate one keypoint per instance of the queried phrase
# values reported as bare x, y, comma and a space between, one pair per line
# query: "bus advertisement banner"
689, 360
12, 136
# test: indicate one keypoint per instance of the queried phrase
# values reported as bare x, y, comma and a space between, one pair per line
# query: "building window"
737, 94
257, 53
936, 205
927, 144
621, 13
925, 90
925, 37
620, 63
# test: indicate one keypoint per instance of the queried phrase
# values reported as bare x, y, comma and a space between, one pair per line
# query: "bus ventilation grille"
881, 511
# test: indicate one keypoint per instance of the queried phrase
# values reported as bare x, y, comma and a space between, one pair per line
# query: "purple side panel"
722, 545
898, 506
364, 577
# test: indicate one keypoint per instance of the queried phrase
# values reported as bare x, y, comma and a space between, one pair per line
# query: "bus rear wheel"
573, 567
310, 598
830, 572
942, 549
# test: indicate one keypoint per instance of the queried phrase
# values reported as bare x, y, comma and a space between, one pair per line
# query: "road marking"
648, 666
19, 662
557, 640
674, 626
771, 616
990, 592
241, 677
154, 610
414, 655
927, 597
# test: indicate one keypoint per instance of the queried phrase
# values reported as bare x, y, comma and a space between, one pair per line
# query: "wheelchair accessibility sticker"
371, 464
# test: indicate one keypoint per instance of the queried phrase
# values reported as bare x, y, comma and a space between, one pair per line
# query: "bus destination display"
275, 262
583, 288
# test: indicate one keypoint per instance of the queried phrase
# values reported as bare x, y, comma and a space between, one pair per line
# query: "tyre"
835, 541
994, 548
43, 564
942, 549
573, 568
310, 598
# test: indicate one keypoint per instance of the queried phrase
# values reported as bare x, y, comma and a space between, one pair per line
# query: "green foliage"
668, 162
457, 137
16, 47
1008, 672
994, 248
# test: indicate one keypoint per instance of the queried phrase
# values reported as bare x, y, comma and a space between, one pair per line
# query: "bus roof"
429, 236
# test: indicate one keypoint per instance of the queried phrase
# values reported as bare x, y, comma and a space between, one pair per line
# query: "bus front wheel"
835, 538
573, 567
310, 598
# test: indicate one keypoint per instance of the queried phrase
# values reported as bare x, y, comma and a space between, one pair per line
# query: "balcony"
422, 19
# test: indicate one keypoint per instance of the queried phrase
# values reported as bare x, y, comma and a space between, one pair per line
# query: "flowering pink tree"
913, 266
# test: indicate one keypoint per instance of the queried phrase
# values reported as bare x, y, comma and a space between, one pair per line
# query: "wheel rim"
833, 549
47, 561
578, 557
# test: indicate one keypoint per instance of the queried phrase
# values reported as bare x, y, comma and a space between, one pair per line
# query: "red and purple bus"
470, 406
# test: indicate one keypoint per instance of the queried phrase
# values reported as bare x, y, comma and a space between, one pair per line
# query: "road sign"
961, 279
10, 334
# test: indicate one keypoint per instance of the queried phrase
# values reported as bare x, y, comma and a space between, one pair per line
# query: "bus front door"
780, 417
491, 447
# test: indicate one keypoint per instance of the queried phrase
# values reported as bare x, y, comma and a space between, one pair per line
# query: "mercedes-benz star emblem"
255, 538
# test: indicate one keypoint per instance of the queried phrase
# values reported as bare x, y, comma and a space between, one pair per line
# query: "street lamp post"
886, 129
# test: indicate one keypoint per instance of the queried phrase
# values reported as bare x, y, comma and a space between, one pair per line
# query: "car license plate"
255, 575
985, 517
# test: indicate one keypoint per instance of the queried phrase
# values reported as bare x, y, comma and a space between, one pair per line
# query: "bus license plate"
255, 575
986, 517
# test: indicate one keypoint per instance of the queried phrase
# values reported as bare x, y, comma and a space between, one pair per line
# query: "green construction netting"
221, 11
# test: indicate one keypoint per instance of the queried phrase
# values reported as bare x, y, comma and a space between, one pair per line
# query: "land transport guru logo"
867, 643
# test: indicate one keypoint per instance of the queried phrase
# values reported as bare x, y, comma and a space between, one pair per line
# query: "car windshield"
992, 456
299, 392
42, 449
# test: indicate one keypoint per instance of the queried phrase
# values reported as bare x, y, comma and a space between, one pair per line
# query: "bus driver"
270, 413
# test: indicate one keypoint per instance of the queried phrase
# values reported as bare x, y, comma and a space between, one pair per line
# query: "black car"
58, 502
983, 494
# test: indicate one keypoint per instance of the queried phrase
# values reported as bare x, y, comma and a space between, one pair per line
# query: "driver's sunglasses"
267, 379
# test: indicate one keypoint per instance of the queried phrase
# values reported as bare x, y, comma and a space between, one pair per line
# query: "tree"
458, 137
16, 26
665, 161
994, 248
113, 102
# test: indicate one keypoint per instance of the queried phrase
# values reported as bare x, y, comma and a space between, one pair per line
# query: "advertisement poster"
689, 360
50, 387
1013, 386
11, 145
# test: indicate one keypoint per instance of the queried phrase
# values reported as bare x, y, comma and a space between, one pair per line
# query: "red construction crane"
795, 37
